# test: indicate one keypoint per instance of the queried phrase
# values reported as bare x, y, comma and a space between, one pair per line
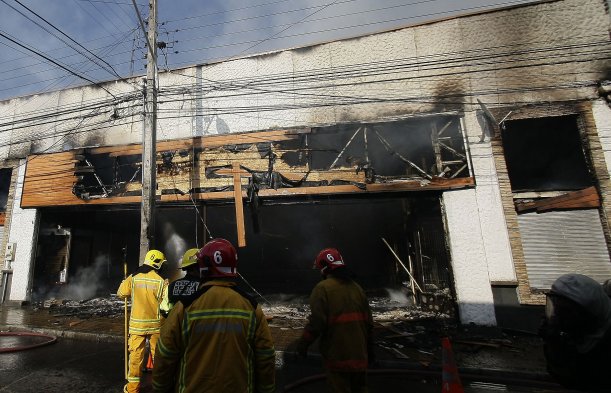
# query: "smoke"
86, 282
398, 296
175, 246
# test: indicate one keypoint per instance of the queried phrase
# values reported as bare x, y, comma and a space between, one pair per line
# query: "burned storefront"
370, 189
461, 161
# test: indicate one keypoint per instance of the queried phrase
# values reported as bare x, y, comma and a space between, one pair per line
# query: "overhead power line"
100, 62
455, 64
37, 53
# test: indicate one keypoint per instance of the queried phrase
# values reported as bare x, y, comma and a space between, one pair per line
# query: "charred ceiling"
420, 154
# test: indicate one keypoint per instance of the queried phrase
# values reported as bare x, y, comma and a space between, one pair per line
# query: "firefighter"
185, 287
577, 333
148, 292
341, 317
218, 340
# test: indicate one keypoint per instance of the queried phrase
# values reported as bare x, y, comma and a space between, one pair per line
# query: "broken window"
413, 148
545, 154
103, 175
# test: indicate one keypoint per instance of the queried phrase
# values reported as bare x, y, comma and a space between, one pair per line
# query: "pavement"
400, 344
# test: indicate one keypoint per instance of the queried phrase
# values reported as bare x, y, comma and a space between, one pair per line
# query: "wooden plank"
232, 172
2, 218
586, 198
69, 199
580, 203
239, 207
568, 196
574, 199
525, 206
205, 142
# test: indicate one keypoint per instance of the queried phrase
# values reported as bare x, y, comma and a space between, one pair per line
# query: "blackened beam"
345, 147
453, 151
98, 179
444, 128
405, 160
462, 168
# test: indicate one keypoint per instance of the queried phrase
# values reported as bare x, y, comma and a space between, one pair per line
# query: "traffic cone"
450, 381
149, 363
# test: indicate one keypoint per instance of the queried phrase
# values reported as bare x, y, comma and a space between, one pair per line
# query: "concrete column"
489, 206
602, 119
23, 232
469, 264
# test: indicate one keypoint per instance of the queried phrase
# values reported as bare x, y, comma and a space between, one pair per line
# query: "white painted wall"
489, 207
24, 224
602, 118
469, 263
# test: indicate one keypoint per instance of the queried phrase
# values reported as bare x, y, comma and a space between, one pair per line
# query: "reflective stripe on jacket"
218, 343
148, 291
342, 319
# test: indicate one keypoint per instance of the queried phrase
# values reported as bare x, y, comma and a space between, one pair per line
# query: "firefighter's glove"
302, 348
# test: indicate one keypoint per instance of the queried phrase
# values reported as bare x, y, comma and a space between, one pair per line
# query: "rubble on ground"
96, 307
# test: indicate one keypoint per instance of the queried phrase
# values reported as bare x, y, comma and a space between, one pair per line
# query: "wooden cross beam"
237, 174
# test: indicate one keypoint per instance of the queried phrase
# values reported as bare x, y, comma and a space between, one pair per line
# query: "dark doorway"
280, 254
283, 237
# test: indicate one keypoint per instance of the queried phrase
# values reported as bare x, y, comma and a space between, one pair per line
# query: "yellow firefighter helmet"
190, 258
154, 259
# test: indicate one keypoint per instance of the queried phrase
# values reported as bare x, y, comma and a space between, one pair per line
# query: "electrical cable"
36, 52
288, 27
268, 78
507, 3
112, 70
125, 63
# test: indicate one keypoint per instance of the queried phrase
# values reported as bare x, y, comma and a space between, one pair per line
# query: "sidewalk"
412, 344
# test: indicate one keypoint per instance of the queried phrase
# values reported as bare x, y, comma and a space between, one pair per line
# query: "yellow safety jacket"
220, 342
341, 317
148, 293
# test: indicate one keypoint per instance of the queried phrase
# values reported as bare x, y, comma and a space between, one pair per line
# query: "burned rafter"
444, 165
398, 155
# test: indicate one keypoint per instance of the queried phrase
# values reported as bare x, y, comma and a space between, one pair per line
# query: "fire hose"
51, 340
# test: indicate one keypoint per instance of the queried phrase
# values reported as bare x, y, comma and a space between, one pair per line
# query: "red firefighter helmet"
218, 258
328, 260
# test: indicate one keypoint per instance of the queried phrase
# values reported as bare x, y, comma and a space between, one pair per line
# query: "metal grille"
557, 243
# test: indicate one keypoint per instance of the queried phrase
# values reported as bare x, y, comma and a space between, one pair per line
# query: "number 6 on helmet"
218, 258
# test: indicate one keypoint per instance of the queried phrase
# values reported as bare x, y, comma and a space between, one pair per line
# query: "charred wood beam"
453, 151
345, 147
405, 160
586, 198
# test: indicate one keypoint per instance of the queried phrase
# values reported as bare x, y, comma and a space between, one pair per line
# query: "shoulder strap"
187, 300
245, 295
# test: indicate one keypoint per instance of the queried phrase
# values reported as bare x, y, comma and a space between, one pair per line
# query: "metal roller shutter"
562, 242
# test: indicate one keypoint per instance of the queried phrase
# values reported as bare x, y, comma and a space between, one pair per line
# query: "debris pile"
97, 307
294, 314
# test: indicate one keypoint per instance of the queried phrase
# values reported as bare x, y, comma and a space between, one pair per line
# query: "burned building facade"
465, 157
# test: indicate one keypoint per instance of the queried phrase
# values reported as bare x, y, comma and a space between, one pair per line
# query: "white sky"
197, 31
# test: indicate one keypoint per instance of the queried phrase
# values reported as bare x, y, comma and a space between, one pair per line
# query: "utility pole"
149, 138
